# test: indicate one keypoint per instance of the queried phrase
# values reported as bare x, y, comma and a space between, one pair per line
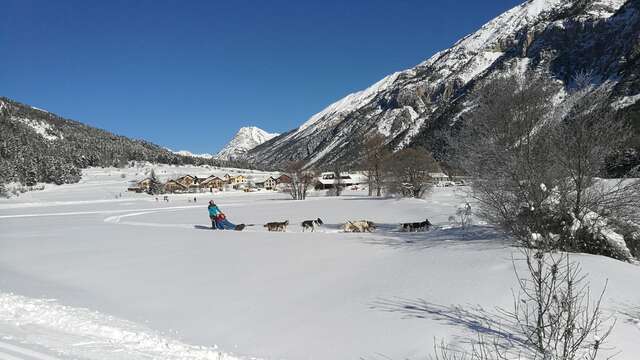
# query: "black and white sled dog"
311, 224
277, 226
416, 226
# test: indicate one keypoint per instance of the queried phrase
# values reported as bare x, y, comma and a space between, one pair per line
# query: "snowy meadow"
88, 274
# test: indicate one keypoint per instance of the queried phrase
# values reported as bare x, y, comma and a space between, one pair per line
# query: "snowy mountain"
245, 139
416, 106
190, 154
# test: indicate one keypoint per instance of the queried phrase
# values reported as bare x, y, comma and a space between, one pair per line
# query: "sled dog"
277, 226
416, 226
311, 224
359, 226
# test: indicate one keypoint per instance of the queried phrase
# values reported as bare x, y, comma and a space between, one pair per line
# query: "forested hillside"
38, 146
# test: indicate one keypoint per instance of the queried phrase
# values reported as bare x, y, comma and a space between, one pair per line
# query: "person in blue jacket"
219, 220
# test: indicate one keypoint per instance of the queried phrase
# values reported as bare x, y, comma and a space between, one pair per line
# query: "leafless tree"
301, 180
338, 183
555, 310
375, 158
409, 172
505, 148
536, 165
554, 316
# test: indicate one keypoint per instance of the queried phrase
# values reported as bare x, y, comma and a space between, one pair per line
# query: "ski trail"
106, 212
79, 332
6, 356
94, 212
30, 354
117, 219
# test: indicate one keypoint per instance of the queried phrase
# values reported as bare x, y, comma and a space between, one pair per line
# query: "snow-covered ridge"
245, 139
189, 153
351, 101
40, 127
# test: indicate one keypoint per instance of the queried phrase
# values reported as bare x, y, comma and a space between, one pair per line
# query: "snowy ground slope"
136, 279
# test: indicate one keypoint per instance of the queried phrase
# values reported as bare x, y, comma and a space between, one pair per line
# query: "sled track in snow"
14, 352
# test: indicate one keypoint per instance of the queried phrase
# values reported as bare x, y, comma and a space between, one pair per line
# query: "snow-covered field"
86, 275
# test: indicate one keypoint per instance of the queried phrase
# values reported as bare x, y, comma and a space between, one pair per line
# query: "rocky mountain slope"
245, 139
415, 106
38, 146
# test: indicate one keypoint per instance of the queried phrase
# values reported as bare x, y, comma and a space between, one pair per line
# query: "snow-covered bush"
463, 216
537, 165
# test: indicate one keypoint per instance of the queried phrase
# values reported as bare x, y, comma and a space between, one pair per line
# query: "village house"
212, 182
283, 179
187, 180
439, 177
237, 181
329, 180
140, 186
267, 184
172, 186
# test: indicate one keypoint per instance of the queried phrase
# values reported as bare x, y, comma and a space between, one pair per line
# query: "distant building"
140, 186
439, 176
237, 181
269, 183
283, 179
172, 186
212, 182
187, 180
328, 180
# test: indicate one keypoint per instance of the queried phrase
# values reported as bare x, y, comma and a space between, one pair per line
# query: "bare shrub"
300, 180
409, 172
554, 316
537, 165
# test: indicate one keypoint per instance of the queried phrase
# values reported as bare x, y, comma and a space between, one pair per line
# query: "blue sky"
188, 74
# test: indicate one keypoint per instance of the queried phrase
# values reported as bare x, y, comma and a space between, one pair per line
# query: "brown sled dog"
359, 226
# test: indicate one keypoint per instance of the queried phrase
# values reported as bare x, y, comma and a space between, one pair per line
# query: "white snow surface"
86, 275
189, 153
625, 101
245, 139
40, 127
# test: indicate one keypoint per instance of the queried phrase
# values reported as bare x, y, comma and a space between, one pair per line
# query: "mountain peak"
247, 138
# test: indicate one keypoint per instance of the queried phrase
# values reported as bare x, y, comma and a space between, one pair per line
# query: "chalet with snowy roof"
173, 186
140, 186
268, 183
439, 176
212, 182
329, 180
187, 180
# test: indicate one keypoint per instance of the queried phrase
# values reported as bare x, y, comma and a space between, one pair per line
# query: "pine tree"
155, 185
